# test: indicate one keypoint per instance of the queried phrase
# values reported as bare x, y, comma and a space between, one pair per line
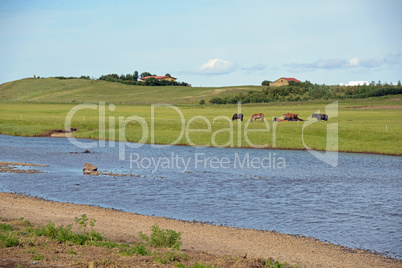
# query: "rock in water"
90, 169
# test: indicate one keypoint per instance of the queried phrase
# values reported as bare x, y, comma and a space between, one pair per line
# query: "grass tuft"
138, 250
65, 234
162, 238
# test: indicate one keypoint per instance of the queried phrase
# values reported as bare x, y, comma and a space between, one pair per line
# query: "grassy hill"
84, 90
31, 107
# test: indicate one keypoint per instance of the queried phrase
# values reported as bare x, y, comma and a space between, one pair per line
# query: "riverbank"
217, 240
372, 129
64, 135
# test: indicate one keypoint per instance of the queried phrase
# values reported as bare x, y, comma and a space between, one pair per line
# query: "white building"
355, 83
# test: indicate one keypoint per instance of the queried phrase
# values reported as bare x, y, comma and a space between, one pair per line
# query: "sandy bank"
219, 240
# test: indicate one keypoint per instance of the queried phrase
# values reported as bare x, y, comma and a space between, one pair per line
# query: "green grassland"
84, 90
365, 125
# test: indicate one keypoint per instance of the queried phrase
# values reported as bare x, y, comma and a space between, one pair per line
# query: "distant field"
363, 125
83, 90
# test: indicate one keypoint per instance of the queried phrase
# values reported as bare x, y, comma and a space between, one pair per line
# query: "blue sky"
203, 42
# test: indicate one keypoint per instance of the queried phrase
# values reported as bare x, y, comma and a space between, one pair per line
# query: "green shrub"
139, 250
65, 234
27, 224
5, 227
274, 265
170, 257
162, 238
108, 244
11, 241
49, 231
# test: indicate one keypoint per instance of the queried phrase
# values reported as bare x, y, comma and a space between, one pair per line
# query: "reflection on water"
357, 204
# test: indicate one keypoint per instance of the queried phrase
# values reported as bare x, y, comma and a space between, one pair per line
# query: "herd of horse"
284, 117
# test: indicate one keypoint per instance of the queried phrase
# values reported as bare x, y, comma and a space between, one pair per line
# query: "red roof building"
283, 81
291, 79
166, 78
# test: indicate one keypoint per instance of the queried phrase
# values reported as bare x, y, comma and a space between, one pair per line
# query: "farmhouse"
160, 78
283, 81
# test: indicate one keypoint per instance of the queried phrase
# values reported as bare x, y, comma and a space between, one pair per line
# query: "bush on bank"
22, 234
302, 91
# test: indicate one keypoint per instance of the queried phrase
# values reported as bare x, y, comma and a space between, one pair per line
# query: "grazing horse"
291, 117
320, 117
257, 116
237, 116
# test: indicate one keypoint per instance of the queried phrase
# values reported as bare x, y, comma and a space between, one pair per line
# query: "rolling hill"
54, 90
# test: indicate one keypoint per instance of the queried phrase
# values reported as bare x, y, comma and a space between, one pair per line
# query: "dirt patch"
394, 107
396, 99
58, 133
196, 237
11, 167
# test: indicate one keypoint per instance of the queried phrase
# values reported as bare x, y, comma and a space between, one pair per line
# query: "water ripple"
357, 204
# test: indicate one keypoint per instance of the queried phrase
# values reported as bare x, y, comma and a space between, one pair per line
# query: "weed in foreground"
65, 234
5, 227
37, 248
162, 238
274, 265
7, 238
139, 250
170, 257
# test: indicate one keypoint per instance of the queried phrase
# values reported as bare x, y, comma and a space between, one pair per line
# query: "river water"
357, 204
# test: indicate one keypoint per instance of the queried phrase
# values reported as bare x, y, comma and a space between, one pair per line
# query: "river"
357, 204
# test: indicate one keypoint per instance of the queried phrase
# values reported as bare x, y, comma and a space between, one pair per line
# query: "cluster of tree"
300, 91
266, 83
269, 94
71, 77
132, 79
366, 91
155, 82
121, 78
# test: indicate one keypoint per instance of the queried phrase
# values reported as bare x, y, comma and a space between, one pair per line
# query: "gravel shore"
219, 240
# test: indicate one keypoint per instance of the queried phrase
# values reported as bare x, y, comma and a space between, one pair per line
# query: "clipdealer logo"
330, 156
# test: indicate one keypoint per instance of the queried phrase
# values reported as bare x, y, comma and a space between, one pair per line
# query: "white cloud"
216, 67
319, 64
370, 63
256, 67
354, 61
388, 60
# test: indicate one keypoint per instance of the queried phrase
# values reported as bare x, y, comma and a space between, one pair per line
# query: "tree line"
302, 91
132, 79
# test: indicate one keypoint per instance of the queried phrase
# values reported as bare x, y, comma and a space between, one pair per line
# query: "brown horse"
257, 116
291, 117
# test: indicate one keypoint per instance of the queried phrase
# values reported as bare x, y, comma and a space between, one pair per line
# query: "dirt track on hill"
219, 240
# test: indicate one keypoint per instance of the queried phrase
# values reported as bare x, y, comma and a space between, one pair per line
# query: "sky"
208, 43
